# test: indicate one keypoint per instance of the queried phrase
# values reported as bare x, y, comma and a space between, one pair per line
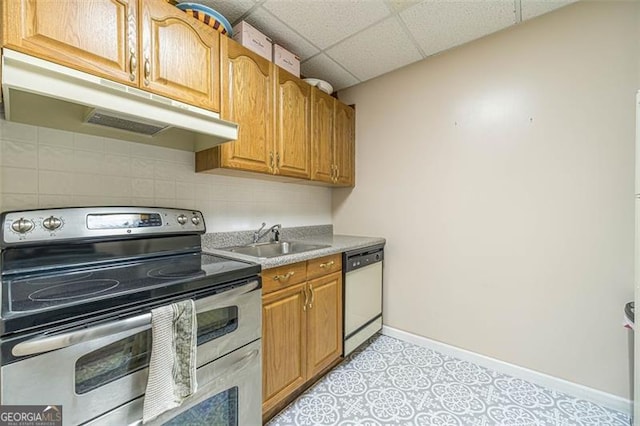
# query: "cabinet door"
247, 94
324, 312
180, 56
344, 144
293, 126
284, 328
321, 136
95, 36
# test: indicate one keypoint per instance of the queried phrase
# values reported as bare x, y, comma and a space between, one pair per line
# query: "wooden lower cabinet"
284, 344
301, 333
324, 323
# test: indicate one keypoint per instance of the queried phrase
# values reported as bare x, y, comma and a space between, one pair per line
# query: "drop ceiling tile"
398, 5
325, 68
281, 33
440, 25
326, 22
532, 8
376, 50
230, 9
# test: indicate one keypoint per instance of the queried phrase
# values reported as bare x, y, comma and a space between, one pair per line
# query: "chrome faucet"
275, 229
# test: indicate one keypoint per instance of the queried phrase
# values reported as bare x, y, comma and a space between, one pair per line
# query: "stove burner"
175, 271
73, 290
63, 279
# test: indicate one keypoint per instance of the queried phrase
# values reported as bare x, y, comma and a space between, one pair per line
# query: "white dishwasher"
362, 295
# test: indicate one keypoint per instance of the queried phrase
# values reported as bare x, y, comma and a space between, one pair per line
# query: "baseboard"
602, 398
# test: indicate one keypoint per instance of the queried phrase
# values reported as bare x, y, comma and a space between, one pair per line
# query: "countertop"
337, 243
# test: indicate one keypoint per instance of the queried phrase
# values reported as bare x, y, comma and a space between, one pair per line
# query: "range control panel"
37, 226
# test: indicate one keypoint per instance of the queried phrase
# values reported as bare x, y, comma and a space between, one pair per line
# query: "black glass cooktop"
54, 296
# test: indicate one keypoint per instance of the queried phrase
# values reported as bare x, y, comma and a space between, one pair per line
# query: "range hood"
45, 94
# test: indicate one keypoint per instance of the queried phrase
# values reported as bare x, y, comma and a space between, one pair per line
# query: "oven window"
128, 355
216, 323
219, 410
113, 362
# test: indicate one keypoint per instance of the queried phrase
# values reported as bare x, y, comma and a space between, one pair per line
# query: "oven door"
93, 369
229, 394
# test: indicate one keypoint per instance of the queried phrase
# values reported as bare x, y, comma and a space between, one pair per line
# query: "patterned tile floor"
391, 382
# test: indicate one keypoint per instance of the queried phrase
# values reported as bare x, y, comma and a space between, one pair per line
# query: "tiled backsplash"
42, 168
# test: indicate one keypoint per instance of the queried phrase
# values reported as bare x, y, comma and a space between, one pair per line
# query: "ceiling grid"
350, 41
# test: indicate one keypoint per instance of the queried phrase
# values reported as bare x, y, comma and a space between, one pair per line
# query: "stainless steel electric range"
78, 286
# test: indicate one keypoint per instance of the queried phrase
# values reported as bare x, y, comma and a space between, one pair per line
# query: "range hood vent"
45, 94
123, 122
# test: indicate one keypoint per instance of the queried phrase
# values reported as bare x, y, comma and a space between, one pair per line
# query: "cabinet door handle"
312, 296
306, 299
147, 71
328, 264
133, 65
283, 277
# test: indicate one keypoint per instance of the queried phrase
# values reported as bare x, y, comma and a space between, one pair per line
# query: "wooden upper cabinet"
333, 140
344, 144
180, 56
286, 127
96, 36
247, 93
322, 166
293, 126
272, 109
147, 43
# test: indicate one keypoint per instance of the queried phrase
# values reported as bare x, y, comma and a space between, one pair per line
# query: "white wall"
502, 175
42, 168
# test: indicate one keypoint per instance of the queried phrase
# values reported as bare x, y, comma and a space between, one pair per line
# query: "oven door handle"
63, 340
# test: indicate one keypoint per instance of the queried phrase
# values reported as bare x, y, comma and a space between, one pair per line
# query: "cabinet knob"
133, 65
147, 71
306, 299
271, 162
312, 296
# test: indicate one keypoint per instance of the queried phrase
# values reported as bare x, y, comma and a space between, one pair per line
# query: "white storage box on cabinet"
252, 39
286, 60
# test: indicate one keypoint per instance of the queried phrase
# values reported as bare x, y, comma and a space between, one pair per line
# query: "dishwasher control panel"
360, 258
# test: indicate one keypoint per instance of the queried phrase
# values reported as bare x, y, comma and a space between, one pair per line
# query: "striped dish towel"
172, 368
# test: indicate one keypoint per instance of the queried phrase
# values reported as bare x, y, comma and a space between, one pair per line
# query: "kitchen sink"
273, 249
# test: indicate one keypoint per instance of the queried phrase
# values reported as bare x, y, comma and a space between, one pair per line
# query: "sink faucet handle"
256, 234
275, 229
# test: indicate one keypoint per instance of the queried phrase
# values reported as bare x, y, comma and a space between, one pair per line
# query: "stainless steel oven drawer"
237, 374
94, 375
